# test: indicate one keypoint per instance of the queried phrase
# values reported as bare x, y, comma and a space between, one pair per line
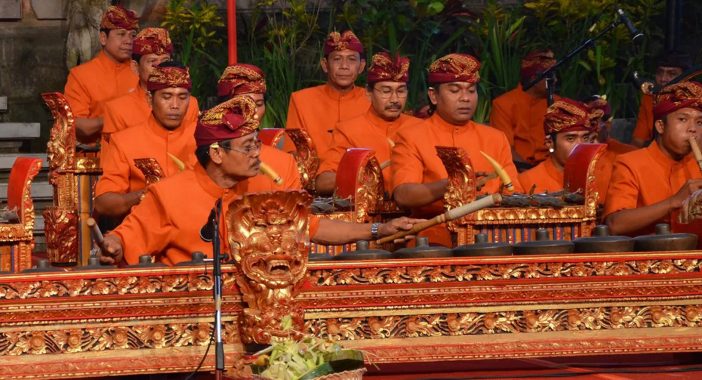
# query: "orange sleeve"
500, 117
340, 142
527, 181
115, 170
193, 111
624, 189
77, 96
406, 162
314, 226
111, 118
644, 121
146, 230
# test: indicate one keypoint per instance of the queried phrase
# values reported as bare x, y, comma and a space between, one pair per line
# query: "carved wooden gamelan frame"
73, 175
130, 321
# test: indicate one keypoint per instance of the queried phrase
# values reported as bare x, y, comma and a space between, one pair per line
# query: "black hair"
678, 59
202, 153
171, 64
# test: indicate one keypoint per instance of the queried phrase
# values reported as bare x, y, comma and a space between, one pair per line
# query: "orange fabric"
134, 108
318, 109
644, 122
167, 223
645, 177
414, 159
366, 131
149, 140
619, 147
545, 176
283, 164
521, 117
95, 82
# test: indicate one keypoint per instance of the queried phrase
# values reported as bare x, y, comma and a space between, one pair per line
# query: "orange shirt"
521, 117
604, 166
414, 159
645, 177
95, 82
134, 108
318, 109
644, 122
167, 223
149, 140
366, 131
545, 176
283, 163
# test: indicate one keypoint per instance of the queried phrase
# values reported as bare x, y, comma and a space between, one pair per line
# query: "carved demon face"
269, 237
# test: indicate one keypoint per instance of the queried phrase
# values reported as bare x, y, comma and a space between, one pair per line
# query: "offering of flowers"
308, 358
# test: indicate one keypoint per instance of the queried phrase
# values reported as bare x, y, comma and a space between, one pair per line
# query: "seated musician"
152, 46
317, 109
419, 177
647, 184
109, 75
168, 223
161, 147
567, 124
249, 80
520, 113
387, 90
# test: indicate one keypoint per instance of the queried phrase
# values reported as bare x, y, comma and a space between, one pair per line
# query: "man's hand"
396, 225
692, 185
113, 253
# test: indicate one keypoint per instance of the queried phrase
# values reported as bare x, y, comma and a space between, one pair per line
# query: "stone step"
41, 190
19, 131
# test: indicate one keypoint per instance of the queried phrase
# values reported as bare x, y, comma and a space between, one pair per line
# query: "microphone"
635, 34
646, 86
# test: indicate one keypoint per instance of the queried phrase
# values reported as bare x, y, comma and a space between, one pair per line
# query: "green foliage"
196, 28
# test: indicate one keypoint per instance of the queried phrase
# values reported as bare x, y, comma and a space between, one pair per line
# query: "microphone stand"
550, 73
217, 290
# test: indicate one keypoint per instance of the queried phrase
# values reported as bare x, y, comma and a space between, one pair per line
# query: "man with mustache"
648, 184
520, 113
249, 80
387, 90
168, 224
109, 75
152, 46
160, 147
669, 66
567, 123
317, 109
419, 177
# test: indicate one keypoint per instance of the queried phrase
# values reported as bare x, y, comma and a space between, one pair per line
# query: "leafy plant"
196, 27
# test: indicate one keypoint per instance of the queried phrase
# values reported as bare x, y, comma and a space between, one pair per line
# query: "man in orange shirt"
520, 114
152, 46
318, 109
249, 80
567, 123
387, 90
171, 222
648, 184
105, 77
419, 178
670, 66
142, 155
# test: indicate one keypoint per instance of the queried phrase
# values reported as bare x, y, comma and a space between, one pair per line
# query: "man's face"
118, 44
240, 156
676, 128
343, 68
169, 106
388, 99
664, 74
260, 100
147, 62
455, 102
566, 142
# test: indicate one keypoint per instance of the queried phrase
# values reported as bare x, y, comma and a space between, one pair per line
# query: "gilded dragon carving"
269, 240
